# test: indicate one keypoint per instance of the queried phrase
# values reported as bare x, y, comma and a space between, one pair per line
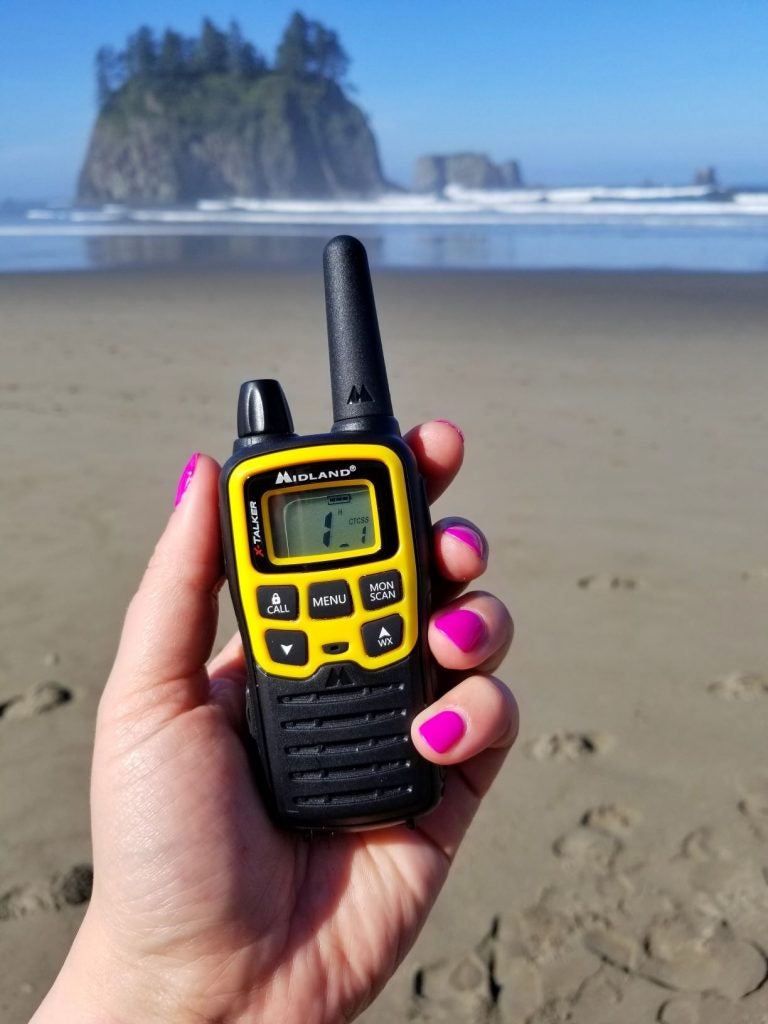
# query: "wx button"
382, 635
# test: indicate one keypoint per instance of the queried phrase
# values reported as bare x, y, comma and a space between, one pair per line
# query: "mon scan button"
287, 646
381, 588
382, 635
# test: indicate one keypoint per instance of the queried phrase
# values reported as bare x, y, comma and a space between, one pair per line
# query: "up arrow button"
382, 635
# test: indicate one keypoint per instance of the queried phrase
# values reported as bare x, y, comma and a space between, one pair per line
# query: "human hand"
202, 910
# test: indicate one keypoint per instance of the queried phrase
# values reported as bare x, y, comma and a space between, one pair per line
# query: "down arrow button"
287, 646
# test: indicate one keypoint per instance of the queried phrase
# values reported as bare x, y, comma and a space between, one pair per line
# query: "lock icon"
275, 598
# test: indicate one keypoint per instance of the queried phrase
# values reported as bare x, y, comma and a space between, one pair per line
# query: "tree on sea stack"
171, 59
108, 72
243, 59
308, 48
140, 55
212, 52
184, 118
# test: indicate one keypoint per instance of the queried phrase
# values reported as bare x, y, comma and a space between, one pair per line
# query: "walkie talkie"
326, 542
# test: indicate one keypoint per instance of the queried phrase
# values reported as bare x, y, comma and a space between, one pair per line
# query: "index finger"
439, 449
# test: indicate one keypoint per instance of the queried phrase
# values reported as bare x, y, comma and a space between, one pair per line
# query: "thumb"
171, 622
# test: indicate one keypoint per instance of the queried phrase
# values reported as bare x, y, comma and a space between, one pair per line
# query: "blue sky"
597, 91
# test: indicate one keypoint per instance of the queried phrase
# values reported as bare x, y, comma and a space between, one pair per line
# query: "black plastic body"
333, 752
359, 384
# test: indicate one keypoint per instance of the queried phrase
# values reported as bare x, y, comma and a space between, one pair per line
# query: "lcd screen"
322, 521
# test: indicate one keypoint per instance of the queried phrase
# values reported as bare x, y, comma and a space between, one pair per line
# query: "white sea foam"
580, 195
692, 228
652, 207
753, 199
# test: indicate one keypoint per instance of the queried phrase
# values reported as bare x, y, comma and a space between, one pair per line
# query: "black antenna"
359, 383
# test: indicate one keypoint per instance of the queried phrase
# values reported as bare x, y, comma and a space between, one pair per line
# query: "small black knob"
262, 408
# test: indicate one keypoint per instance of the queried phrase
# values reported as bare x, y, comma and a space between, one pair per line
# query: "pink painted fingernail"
186, 478
443, 731
465, 628
458, 429
468, 537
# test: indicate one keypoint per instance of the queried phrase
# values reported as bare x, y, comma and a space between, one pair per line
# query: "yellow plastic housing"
345, 629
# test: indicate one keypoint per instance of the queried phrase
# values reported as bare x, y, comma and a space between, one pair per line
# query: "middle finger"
472, 632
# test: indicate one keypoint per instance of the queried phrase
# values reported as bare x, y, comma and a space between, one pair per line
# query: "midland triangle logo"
358, 395
338, 677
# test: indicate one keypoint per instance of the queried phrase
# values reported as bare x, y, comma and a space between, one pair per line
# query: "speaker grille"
339, 744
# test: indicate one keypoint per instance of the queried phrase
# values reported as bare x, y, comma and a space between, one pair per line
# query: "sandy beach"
616, 458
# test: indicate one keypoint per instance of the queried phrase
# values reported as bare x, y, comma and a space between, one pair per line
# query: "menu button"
329, 600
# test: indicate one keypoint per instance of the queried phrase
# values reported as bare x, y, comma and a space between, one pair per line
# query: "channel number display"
322, 521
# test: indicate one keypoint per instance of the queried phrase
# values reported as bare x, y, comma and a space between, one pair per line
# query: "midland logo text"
303, 478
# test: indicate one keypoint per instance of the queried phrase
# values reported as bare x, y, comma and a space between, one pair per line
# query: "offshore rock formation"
280, 136
706, 176
470, 170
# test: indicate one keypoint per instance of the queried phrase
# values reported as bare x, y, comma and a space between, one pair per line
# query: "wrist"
98, 986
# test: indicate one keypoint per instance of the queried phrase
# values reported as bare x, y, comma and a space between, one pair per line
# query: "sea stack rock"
706, 176
429, 174
511, 174
434, 172
284, 136
471, 170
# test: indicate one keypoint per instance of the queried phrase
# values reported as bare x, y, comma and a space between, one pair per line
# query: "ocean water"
669, 228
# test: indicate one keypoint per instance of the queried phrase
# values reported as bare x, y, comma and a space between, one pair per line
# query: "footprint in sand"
613, 819
598, 839
705, 845
607, 581
70, 888
707, 1010
609, 944
494, 983
584, 847
569, 746
740, 686
36, 701
686, 951
759, 575
545, 967
754, 807
451, 990
605, 997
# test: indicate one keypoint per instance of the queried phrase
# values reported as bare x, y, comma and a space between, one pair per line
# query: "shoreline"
306, 270
666, 246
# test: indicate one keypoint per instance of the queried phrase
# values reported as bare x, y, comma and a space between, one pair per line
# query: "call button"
279, 601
